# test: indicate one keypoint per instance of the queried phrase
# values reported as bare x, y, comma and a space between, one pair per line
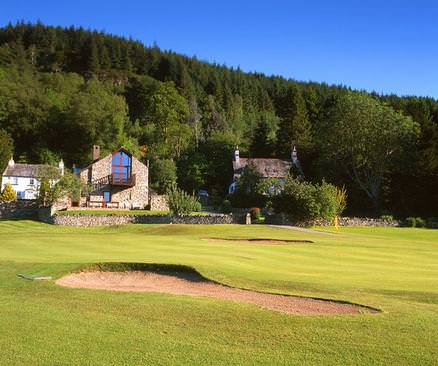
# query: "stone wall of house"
22, 209
281, 219
158, 202
100, 220
138, 195
127, 197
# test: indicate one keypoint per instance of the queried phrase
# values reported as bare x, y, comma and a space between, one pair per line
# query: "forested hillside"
64, 89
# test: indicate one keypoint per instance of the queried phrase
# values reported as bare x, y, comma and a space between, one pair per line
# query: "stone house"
26, 178
266, 167
118, 180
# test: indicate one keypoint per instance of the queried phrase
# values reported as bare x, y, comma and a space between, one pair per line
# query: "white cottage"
25, 178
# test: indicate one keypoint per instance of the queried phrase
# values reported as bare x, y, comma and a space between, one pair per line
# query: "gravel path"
195, 285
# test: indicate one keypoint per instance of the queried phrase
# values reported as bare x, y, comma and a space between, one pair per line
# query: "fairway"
391, 269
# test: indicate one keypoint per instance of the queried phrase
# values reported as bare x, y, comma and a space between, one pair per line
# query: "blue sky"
386, 46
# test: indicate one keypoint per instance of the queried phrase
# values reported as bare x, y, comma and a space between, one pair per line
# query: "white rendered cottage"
24, 178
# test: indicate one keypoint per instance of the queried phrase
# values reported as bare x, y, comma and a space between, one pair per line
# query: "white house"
25, 178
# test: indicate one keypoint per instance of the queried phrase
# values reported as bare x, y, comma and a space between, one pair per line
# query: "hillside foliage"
64, 89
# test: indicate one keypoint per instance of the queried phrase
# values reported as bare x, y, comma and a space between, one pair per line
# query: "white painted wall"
26, 187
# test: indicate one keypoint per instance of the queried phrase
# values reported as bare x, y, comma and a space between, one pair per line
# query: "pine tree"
8, 194
261, 145
125, 62
295, 127
93, 64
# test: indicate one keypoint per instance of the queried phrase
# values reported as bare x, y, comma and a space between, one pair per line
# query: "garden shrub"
298, 200
248, 193
305, 201
410, 222
226, 207
8, 194
387, 217
419, 222
326, 197
180, 202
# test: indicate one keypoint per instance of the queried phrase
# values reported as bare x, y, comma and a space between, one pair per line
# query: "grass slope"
395, 270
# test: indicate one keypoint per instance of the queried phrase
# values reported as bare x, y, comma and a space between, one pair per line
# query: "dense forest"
64, 89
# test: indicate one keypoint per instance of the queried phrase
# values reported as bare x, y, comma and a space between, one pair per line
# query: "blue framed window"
121, 166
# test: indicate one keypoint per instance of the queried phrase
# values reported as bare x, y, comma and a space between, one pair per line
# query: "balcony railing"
117, 179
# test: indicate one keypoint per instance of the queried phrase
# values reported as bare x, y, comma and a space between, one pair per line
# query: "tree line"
64, 89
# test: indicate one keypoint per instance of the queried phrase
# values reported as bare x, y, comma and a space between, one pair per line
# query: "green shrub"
326, 197
387, 217
298, 200
419, 222
248, 191
255, 214
410, 222
304, 201
180, 202
226, 207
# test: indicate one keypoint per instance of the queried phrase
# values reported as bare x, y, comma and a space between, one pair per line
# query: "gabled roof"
29, 170
105, 156
267, 167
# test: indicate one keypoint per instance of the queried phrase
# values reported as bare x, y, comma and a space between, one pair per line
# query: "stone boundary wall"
21, 209
101, 220
343, 221
158, 202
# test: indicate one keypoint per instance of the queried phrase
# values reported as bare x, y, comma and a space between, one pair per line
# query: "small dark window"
107, 196
32, 182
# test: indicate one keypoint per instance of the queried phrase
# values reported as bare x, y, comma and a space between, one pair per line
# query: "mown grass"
395, 270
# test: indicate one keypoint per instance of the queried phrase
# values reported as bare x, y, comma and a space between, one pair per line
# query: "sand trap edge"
176, 271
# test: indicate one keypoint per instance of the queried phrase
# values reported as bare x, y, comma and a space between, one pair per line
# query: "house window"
107, 196
121, 166
32, 181
15, 180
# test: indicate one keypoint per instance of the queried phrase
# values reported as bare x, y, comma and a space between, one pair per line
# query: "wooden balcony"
120, 180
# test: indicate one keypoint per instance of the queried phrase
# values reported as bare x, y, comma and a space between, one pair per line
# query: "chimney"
96, 152
237, 156
294, 155
11, 162
61, 166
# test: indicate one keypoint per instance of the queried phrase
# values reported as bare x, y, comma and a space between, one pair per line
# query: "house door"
107, 196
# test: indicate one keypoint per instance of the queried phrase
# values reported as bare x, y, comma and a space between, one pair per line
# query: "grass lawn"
395, 270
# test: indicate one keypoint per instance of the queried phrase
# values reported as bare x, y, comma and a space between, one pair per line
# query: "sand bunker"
179, 283
262, 241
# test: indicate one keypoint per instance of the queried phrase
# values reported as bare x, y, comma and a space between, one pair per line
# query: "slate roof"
268, 168
29, 170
